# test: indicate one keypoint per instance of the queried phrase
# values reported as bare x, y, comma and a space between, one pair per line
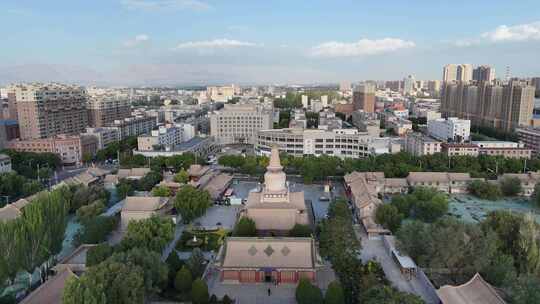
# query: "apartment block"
166, 136
103, 110
47, 110
364, 97
5, 164
239, 123
134, 126
484, 73
503, 107
457, 72
506, 149
105, 136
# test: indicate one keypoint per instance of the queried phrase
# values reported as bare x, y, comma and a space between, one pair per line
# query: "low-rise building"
166, 137
200, 146
70, 149
268, 260
447, 182
503, 148
459, 149
142, 207
530, 138
475, 291
419, 144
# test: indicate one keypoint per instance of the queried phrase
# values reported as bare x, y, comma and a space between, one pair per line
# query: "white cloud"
520, 32
215, 44
237, 28
154, 5
362, 47
138, 40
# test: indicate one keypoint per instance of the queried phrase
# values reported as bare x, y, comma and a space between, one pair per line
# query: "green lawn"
212, 240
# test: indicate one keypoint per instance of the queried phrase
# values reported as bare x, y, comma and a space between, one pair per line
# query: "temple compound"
274, 208
276, 260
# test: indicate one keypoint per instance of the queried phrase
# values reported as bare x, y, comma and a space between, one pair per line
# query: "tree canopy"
245, 227
191, 202
153, 234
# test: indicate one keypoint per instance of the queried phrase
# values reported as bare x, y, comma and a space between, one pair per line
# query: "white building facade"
452, 129
239, 123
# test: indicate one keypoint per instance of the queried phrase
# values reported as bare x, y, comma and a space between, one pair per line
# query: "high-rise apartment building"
344, 86
239, 123
434, 87
457, 72
408, 85
536, 83
47, 110
103, 110
503, 107
484, 73
364, 97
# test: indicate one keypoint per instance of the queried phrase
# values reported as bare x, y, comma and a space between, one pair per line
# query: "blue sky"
169, 42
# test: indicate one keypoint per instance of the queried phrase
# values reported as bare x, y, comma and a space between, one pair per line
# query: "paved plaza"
226, 215
257, 293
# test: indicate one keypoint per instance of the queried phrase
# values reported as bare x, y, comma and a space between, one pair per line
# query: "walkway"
177, 234
375, 250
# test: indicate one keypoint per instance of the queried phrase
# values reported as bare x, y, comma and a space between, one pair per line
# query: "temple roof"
476, 291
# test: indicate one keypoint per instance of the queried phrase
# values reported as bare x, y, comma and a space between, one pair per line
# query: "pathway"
375, 250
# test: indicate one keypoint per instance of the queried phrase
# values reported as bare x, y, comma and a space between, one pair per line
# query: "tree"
183, 280
154, 271
89, 211
245, 227
161, 191
107, 282
147, 182
124, 188
307, 293
98, 254
153, 233
485, 190
199, 292
388, 216
389, 295
510, 186
535, 197
529, 245
95, 230
182, 177
426, 204
300, 230
191, 202
334, 294
525, 290
196, 263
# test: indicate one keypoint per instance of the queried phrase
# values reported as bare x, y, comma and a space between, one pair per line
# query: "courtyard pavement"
257, 293
226, 215
374, 250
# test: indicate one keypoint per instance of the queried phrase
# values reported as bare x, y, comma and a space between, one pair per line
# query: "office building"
221, 94
70, 149
239, 123
484, 73
457, 72
506, 149
451, 129
299, 142
103, 110
364, 97
47, 110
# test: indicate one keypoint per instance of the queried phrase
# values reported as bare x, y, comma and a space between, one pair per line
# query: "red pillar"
279, 277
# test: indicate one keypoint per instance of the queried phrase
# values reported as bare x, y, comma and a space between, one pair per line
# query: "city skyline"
182, 42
